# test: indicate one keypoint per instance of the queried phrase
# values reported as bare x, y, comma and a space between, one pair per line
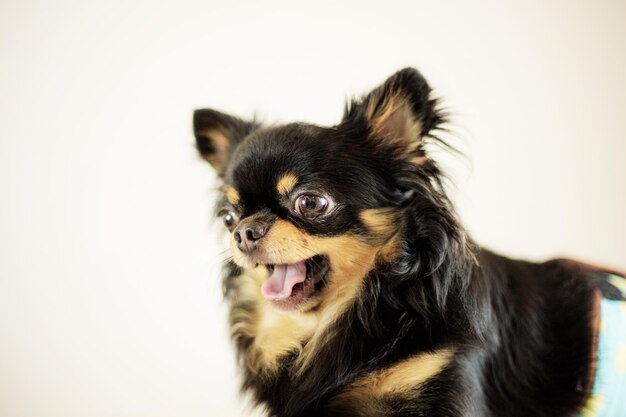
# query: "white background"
110, 301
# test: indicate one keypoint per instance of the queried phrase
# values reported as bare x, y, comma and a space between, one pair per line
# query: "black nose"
248, 235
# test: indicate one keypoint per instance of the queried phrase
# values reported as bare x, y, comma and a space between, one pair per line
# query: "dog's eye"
230, 219
310, 206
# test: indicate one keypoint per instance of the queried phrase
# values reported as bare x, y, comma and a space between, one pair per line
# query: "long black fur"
522, 331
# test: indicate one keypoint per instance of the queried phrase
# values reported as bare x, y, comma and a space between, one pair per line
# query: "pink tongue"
281, 282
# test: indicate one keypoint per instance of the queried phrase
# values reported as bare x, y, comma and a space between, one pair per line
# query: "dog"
354, 290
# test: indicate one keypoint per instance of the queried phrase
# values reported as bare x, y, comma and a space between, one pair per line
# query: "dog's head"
317, 209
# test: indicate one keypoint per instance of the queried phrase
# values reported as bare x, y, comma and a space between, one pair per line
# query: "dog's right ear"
218, 134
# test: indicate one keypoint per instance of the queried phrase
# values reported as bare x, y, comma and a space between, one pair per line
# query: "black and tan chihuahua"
355, 291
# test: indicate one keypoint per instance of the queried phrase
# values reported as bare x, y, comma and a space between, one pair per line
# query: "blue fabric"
608, 397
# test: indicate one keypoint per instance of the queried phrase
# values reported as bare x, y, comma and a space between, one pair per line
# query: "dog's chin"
296, 286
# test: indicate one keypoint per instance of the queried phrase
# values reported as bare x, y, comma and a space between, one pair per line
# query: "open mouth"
291, 285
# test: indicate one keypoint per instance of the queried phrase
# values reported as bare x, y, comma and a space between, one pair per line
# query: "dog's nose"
248, 235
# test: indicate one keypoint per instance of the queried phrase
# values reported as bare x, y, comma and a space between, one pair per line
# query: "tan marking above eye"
232, 196
286, 183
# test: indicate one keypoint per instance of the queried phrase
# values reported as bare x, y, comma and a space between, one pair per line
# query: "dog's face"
302, 206
315, 209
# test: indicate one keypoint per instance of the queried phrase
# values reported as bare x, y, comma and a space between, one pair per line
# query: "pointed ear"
218, 134
399, 113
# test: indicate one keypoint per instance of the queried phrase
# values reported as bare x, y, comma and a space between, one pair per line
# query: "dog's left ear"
400, 112
218, 134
